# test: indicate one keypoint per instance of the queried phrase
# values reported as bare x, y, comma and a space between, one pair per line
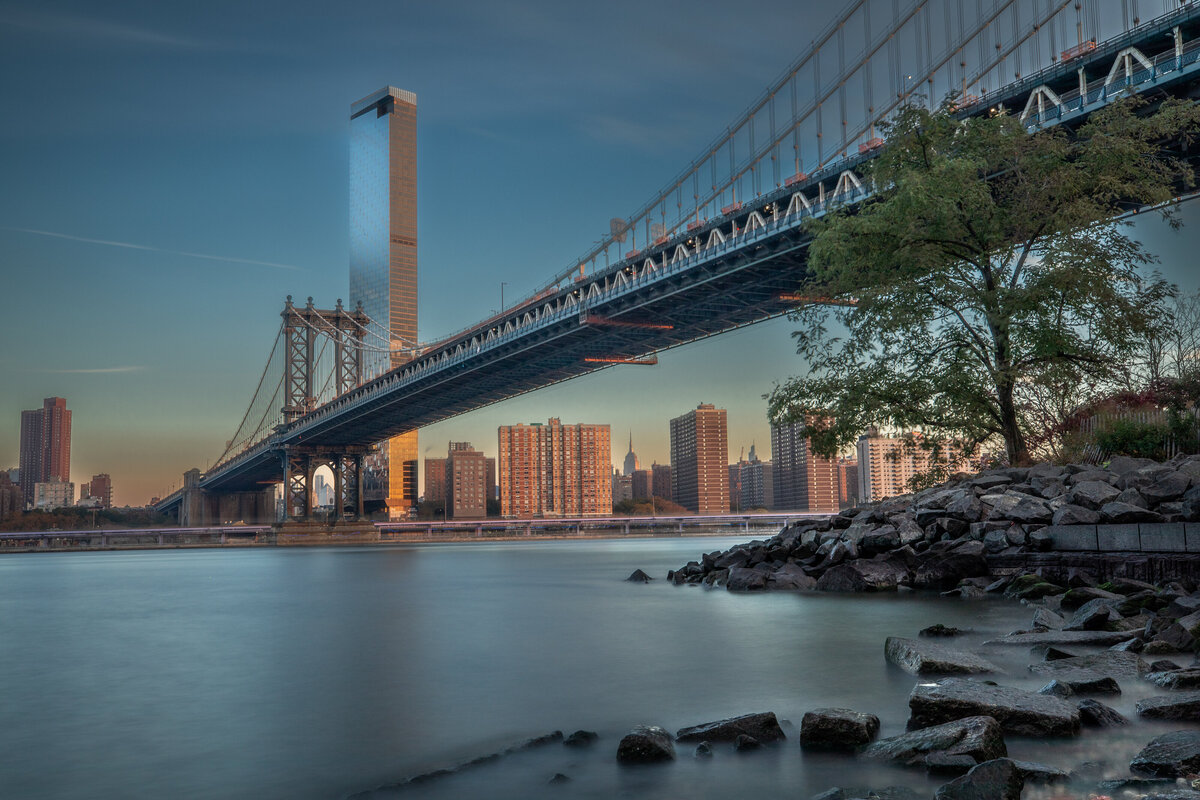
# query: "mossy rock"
1038, 591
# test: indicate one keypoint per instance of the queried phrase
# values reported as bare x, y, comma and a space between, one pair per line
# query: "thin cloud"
148, 248
92, 370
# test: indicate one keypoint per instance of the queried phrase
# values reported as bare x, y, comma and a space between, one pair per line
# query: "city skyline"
160, 358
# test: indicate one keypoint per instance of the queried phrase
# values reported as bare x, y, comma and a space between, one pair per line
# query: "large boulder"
1099, 638
928, 658
1169, 756
742, 579
1123, 513
1018, 711
1110, 662
1179, 706
1020, 507
791, 577
1070, 514
1176, 679
861, 575
762, 726
1094, 714
944, 571
1167, 486
979, 738
646, 744
837, 729
1092, 494
998, 779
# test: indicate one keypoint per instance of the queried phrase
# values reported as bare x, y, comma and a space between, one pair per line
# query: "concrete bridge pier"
201, 508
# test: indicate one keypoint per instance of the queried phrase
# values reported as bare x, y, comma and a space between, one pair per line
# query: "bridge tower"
303, 329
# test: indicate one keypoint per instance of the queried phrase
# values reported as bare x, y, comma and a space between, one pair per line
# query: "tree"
990, 266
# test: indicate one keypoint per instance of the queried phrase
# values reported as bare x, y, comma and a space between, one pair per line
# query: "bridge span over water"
715, 268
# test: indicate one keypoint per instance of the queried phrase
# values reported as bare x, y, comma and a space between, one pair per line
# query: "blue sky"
172, 172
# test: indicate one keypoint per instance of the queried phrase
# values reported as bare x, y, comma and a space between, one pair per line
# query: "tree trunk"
1014, 441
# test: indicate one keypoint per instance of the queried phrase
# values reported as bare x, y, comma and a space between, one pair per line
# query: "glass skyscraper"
383, 260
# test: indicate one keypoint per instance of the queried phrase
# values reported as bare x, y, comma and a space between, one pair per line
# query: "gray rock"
835, 793
1167, 486
580, 739
1133, 497
1100, 638
945, 571
1057, 688
940, 630
1123, 513
1092, 616
1045, 618
1033, 772
1078, 596
762, 726
928, 658
861, 575
999, 779
1020, 507
1070, 514
1178, 680
979, 738
1108, 662
1121, 465
639, 577
837, 729
743, 743
646, 744
1017, 711
742, 579
1092, 494
704, 750
1180, 706
1094, 714
791, 577
1169, 756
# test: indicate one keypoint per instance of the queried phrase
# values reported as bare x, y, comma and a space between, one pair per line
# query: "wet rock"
926, 658
1136, 785
559, 778
837, 729
940, 630
580, 739
1045, 618
762, 726
1109, 662
999, 779
1169, 756
1100, 638
1057, 688
1094, 714
835, 793
945, 571
791, 577
1019, 712
646, 744
1181, 706
1049, 652
980, 738
1074, 598
639, 577
1164, 665
943, 764
743, 743
703, 750
742, 579
1177, 679
1033, 772
1092, 616
861, 575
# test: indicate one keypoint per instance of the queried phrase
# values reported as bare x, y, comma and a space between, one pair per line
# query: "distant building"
100, 487
847, 482
12, 499
750, 483
45, 445
699, 453
555, 470
642, 484
802, 480
887, 465
49, 495
383, 260
660, 477
466, 481
622, 487
435, 480
631, 460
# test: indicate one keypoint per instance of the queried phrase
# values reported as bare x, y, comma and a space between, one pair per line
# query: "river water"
321, 673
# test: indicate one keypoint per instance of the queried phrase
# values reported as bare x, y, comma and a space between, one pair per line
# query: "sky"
172, 171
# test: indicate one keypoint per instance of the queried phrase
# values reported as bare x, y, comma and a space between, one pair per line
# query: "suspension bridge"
721, 246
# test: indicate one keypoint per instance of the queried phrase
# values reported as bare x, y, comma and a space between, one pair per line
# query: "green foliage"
74, 519
987, 273
644, 508
1123, 437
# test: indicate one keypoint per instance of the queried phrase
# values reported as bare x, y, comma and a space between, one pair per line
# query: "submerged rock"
979, 738
926, 658
646, 744
1017, 711
837, 729
762, 726
998, 779
580, 739
940, 630
639, 577
1095, 714
1169, 756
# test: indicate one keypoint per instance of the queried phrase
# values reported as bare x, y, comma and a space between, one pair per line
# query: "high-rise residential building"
99, 487
847, 482
383, 254
435, 480
631, 464
466, 482
887, 465
661, 480
802, 480
622, 487
643, 484
52, 494
699, 467
750, 485
45, 445
555, 470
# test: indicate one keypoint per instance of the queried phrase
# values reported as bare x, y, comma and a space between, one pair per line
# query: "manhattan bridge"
722, 245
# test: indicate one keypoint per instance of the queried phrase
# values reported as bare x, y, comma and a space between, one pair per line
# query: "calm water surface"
321, 673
